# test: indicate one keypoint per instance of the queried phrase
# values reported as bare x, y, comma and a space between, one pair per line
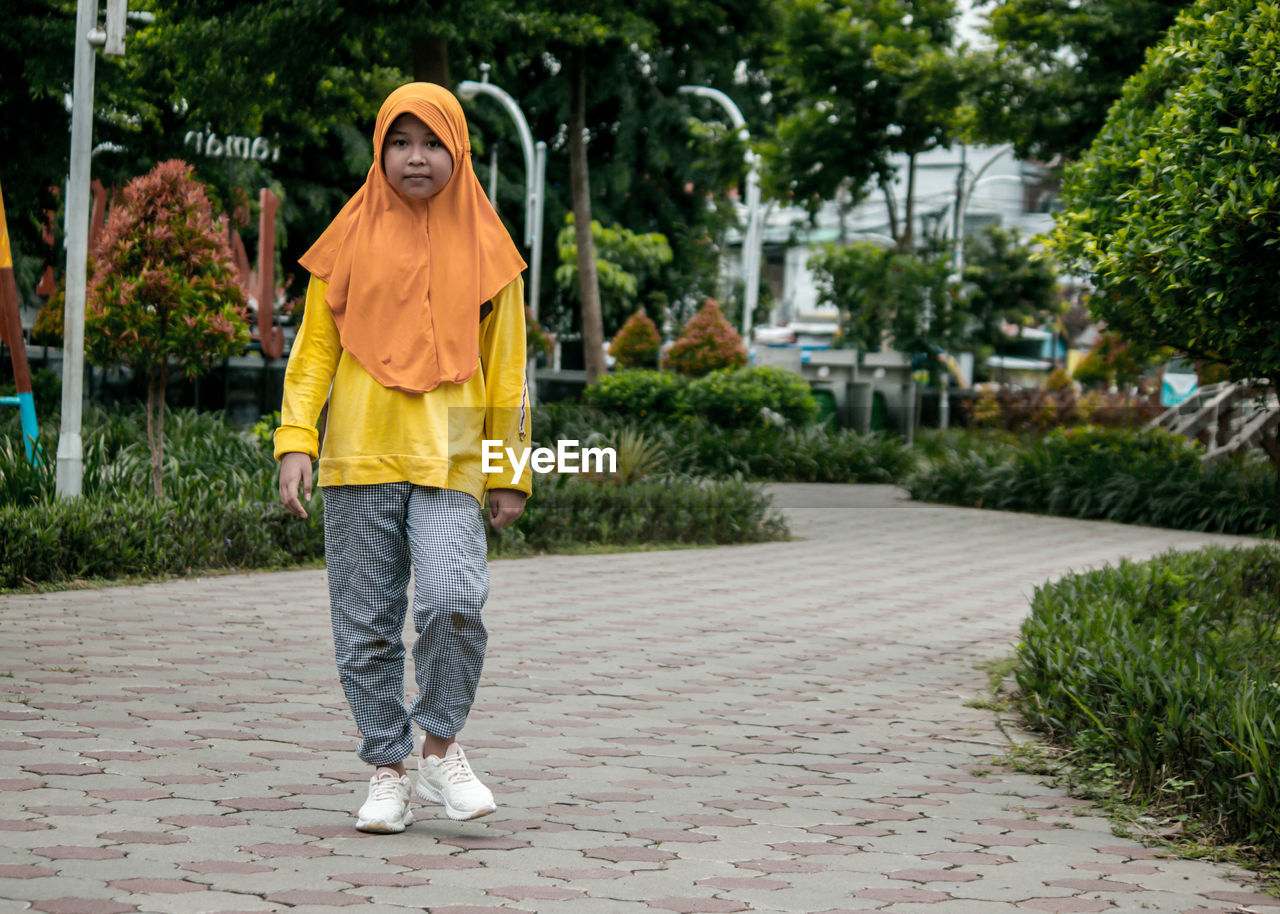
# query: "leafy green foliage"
163, 293
628, 266
60, 540
222, 510
638, 343
1167, 669
696, 448
727, 397
1175, 208
706, 344
203, 455
1145, 476
635, 394
910, 301
740, 397
1005, 281
811, 453
859, 81
1114, 360
885, 296
1057, 67
570, 512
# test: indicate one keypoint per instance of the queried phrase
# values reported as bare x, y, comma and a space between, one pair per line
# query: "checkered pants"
373, 536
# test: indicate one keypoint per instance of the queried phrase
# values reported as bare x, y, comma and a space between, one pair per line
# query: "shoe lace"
456, 769
385, 787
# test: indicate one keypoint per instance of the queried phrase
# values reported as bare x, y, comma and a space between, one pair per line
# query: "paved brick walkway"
778, 728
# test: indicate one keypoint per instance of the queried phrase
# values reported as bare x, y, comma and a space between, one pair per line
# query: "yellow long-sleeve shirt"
375, 434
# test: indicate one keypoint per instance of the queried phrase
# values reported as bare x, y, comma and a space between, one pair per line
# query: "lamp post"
535, 168
964, 194
755, 222
69, 477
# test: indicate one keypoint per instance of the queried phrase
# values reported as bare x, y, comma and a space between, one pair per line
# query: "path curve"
778, 728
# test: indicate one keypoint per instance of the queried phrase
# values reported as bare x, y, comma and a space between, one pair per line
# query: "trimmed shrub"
707, 343
1146, 476
638, 343
1167, 671
57, 541
811, 454
738, 397
571, 511
635, 394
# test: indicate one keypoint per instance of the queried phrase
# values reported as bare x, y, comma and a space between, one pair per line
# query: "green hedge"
1145, 476
571, 512
731, 398
107, 537
1170, 671
811, 454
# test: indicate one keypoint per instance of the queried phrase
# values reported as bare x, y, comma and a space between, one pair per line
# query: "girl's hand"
295, 468
505, 506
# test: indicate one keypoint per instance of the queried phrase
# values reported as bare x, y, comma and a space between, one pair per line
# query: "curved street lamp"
535, 169
755, 221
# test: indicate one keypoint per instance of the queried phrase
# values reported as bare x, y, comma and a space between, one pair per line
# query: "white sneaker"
386, 811
451, 781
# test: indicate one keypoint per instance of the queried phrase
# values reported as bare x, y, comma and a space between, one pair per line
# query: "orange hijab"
406, 277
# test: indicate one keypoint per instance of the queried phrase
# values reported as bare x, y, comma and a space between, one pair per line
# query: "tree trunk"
890, 206
430, 60
156, 382
1271, 444
580, 181
907, 240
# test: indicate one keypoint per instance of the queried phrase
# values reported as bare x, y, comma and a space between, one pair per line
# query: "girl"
414, 333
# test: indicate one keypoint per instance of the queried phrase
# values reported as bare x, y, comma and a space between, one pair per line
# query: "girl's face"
414, 160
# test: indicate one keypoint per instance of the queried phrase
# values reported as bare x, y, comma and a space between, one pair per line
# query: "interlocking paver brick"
782, 729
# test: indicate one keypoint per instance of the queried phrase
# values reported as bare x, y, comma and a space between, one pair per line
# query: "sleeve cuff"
297, 439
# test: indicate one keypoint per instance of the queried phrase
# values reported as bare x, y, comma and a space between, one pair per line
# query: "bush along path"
782, 726
1134, 476
221, 512
1168, 672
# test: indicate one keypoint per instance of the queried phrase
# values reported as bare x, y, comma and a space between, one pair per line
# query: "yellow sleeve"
308, 376
502, 357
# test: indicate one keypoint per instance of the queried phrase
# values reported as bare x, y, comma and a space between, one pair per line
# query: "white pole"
752, 241
535, 254
535, 166
755, 228
70, 464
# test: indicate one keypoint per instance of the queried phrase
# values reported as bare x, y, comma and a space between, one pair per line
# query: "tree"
617, 69
1057, 67
886, 296
864, 80
1175, 208
628, 266
708, 343
638, 343
163, 295
1005, 281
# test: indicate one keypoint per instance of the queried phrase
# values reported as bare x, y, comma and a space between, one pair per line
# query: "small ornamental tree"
1175, 208
163, 295
707, 343
638, 343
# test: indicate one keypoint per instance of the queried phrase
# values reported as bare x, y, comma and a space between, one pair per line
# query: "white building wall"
1001, 190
